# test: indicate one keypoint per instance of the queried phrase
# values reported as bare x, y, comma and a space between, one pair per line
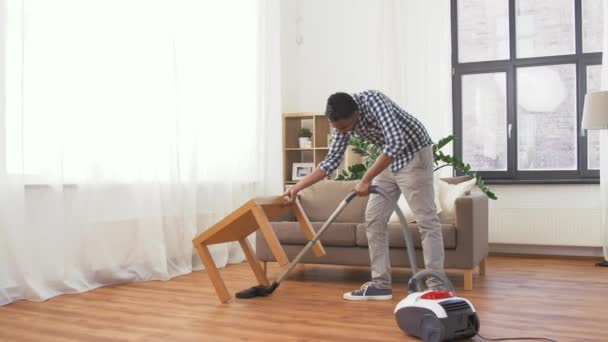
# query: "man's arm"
326, 167
379, 165
317, 175
394, 141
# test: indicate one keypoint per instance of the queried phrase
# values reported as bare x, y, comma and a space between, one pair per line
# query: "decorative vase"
305, 142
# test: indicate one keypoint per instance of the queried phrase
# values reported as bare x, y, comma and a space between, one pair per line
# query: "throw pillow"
447, 196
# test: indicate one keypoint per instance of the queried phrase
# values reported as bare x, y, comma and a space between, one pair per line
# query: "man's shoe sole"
348, 296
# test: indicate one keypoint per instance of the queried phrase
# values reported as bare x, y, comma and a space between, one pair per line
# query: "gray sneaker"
369, 291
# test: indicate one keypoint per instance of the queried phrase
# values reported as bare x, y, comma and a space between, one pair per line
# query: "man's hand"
383, 161
362, 189
291, 195
309, 180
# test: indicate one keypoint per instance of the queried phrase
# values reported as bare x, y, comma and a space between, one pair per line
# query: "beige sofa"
345, 242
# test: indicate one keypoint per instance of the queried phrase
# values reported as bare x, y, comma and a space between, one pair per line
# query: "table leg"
213, 272
253, 262
270, 236
306, 227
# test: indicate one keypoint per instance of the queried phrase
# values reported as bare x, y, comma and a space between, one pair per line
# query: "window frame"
581, 60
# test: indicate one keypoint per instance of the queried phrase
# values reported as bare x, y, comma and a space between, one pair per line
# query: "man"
405, 166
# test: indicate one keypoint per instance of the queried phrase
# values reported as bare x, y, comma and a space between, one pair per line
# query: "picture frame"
301, 170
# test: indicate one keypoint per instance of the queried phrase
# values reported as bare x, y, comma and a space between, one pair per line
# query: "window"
521, 69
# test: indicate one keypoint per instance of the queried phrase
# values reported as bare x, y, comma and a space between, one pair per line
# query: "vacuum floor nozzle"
257, 291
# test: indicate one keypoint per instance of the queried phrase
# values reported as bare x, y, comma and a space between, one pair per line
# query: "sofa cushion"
396, 240
321, 200
338, 234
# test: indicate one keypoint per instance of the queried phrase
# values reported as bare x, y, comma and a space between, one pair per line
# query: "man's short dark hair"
340, 106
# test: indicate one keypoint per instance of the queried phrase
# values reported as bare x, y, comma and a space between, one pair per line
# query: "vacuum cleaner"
436, 315
433, 316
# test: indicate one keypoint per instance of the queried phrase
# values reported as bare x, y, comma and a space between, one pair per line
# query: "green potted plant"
370, 152
304, 135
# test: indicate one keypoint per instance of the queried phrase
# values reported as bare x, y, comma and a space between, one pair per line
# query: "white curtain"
604, 183
416, 60
604, 142
127, 128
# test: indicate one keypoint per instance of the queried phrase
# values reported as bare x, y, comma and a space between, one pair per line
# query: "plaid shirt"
381, 122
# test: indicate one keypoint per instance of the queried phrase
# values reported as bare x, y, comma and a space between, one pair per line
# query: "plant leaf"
370, 153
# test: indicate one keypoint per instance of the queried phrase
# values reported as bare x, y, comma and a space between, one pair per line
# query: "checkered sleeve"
394, 137
336, 152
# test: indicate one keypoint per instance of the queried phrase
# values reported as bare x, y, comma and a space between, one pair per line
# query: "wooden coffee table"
236, 226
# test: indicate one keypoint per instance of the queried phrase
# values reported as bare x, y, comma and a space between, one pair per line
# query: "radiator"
551, 215
545, 226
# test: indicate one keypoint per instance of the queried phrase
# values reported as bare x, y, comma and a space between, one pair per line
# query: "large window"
521, 71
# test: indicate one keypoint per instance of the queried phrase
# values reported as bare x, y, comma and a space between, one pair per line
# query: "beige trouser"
415, 181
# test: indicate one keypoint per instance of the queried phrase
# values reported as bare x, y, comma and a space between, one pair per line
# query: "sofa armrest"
472, 228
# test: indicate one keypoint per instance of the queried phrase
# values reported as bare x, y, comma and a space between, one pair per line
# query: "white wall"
336, 45
325, 49
350, 45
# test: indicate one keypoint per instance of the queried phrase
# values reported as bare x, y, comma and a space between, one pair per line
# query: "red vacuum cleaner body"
437, 316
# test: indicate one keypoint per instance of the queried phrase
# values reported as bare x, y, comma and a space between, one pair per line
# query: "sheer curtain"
604, 142
127, 128
416, 60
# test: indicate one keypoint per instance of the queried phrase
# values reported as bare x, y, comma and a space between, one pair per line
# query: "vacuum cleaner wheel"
474, 321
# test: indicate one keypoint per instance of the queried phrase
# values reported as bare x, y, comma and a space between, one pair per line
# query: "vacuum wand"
262, 291
317, 236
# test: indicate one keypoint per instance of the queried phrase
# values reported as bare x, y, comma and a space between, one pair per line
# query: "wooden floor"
566, 300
